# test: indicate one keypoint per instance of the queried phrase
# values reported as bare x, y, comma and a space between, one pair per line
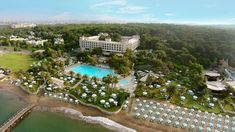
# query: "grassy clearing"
15, 61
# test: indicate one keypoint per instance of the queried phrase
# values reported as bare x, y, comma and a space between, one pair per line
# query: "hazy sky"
169, 11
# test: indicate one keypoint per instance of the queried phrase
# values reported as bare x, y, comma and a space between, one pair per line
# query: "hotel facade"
108, 46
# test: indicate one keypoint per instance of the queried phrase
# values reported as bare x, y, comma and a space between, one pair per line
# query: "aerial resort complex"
117, 66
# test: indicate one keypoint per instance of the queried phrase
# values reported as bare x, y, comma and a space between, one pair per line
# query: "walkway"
11, 122
77, 83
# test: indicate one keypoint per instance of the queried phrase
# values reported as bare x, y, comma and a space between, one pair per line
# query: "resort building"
108, 46
16, 38
36, 42
23, 25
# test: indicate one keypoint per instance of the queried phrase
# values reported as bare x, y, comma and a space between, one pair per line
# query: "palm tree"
85, 77
94, 78
78, 75
115, 81
71, 73
107, 80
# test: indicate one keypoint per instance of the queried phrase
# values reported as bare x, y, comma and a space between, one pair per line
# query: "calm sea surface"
42, 121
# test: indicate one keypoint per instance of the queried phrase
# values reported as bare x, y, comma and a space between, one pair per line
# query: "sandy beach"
122, 118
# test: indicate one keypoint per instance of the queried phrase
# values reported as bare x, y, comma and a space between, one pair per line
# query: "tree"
115, 81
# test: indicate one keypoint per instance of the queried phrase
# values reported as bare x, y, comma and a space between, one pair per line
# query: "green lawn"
15, 62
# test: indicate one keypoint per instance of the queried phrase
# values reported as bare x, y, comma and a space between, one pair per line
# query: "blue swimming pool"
123, 82
93, 71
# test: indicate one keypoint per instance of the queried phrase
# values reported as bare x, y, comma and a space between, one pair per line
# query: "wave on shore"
89, 119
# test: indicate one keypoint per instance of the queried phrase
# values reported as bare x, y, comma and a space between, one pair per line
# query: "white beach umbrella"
160, 120
146, 116
114, 95
208, 129
164, 115
168, 122
200, 128
157, 113
182, 98
176, 124
195, 97
192, 127
180, 118
154, 107
184, 125
137, 115
203, 123
135, 108
102, 101
153, 118
147, 106
150, 111
197, 116
144, 101
84, 95
102, 93
140, 104
210, 124
93, 95
137, 100
183, 112
144, 93
187, 120
142, 110
172, 117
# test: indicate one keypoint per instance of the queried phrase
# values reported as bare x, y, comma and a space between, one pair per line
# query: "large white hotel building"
109, 46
